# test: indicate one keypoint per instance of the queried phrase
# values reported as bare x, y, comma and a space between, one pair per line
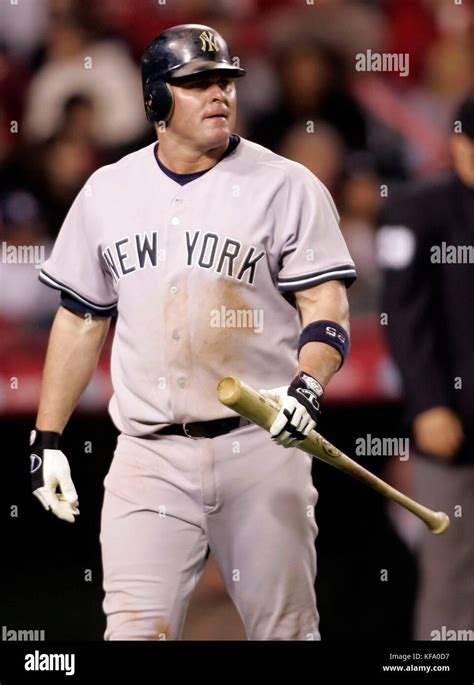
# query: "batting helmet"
180, 51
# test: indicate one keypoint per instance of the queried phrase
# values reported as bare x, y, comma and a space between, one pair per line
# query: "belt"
205, 429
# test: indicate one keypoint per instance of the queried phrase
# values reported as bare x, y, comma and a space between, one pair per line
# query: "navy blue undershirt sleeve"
74, 305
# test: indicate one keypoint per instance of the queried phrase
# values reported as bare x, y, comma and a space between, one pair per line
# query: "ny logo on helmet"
208, 41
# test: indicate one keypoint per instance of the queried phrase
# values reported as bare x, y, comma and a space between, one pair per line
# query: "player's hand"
299, 409
49, 469
438, 431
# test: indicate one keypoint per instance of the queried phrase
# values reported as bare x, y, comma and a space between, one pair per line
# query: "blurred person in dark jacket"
427, 254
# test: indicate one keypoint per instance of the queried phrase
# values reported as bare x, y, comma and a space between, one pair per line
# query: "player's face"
204, 110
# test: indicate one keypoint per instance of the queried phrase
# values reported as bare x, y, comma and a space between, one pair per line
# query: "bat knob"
440, 523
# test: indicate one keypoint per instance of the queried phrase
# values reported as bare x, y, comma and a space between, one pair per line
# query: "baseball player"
217, 257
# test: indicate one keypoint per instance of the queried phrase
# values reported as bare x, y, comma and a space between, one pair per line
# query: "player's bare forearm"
325, 301
74, 348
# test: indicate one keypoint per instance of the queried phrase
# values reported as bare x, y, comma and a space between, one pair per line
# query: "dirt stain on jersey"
224, 317
210, 325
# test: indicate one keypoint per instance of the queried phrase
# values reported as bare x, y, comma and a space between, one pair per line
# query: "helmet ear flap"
159, 101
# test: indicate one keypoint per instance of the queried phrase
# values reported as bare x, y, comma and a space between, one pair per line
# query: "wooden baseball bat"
247, 402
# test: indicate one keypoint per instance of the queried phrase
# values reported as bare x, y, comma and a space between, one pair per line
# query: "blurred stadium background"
70, 101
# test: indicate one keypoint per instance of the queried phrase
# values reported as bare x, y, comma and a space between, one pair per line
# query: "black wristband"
46, 440
328, 332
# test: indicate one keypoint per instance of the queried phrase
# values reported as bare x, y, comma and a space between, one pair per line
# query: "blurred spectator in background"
412, 112
360, 205
78, 119
22, 26
23, 247
58, 168
426, 249
77, 62
312, 86
354, 183
320, 149
446, 76
346, 26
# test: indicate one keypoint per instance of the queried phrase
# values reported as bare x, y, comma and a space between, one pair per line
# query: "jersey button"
181, 382
175, 221
173, 289
176, 335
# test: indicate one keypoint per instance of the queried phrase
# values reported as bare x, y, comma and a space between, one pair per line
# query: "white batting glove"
299, 409
50, 470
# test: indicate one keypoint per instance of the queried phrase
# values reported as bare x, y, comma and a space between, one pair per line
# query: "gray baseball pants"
252, 502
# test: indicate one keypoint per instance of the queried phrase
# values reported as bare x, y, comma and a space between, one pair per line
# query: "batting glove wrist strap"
46, 440
39, 442
309, 392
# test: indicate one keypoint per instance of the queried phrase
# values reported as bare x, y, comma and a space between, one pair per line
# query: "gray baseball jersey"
202, 276
198, 274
